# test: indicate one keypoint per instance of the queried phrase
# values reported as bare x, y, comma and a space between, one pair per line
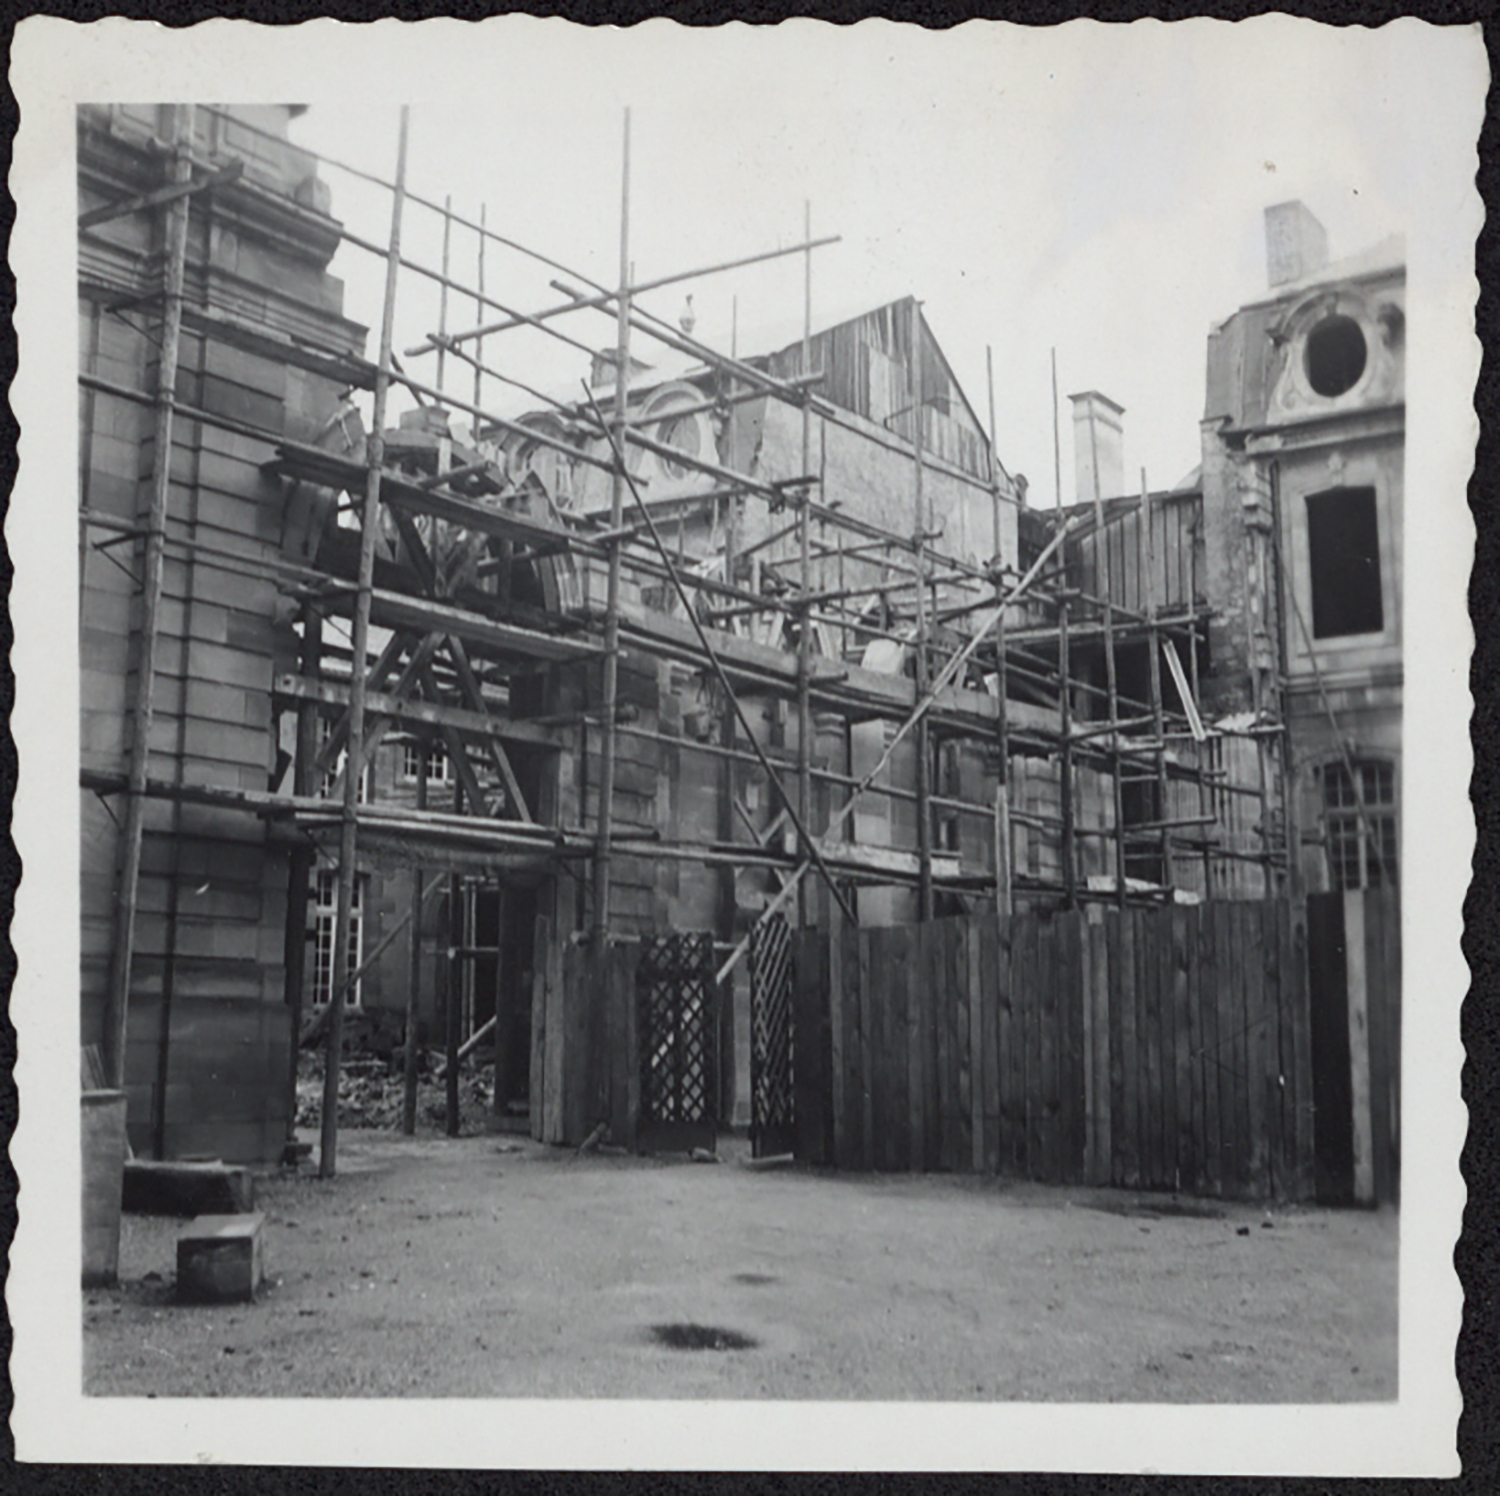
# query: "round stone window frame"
1303, 322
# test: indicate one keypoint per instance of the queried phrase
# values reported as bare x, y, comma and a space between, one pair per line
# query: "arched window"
1362, 849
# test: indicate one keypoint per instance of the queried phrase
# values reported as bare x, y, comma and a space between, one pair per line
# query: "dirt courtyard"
493, 1266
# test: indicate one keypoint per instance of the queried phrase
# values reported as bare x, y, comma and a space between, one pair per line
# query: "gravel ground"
491, 1266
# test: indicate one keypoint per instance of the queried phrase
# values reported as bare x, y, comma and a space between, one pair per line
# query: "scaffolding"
1024, 662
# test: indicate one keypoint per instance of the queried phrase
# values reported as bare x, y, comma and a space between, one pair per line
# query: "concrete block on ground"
172, 1187
221, 1258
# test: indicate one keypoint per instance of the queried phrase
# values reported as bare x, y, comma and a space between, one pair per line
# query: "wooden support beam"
486, 723
399, 611
469, 684
173, 192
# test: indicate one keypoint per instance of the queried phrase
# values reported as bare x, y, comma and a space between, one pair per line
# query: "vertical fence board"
1167, 968
552, 1094
885, 991
941, 1003
1294, 1057
1072, 934
1114, 1172
1090, 1118
1232, 1013
933, 1022
810, 1083
1255, 1055
1093, 1116
834, 1008
971, 1067
1147, 953
1011, 1037
538, 1091
576, 982
888, 990
905, 1055
1357, 986
1210, 1069
1032, 1083
988, 985
1389, 923
1050, 979
866, 1091
1276, 1098
619, 989
1182, 1048
1130, 1144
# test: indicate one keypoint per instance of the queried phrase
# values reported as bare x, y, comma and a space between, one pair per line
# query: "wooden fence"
1162, 1049
1240, 1049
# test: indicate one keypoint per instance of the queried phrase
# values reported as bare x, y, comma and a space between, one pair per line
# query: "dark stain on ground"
756, 1280
690, 1337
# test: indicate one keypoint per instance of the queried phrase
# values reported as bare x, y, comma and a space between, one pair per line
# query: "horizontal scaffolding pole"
605, 298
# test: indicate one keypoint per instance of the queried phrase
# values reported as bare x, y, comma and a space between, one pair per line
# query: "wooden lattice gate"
678, 1033
772, 1113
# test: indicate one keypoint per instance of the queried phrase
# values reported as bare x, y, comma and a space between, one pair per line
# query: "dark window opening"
1335, 355
1141, 805
1343, 545
1360, 827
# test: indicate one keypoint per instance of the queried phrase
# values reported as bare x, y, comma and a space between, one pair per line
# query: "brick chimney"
1098, 447
1296, 243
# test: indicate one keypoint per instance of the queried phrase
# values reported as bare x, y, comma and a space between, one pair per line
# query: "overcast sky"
1098, 190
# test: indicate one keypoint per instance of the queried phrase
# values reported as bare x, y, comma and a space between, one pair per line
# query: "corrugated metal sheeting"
867, 368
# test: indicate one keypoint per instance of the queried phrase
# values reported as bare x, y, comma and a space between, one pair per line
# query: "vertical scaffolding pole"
612, 597
414, 974
453, 1009
479, 319
804, 608
354, 771
1103, 581
174, 263
924, 739
443, 296
304, 782
1065, 723
1202, 757
1056, 441
1002, 721
1158, 723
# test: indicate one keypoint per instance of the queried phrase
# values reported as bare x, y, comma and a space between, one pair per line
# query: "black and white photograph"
722, 737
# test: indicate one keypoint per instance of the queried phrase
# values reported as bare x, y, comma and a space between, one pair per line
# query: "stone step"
175, 1187
220, 1258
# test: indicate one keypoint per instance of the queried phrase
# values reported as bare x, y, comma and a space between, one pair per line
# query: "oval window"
1335, 355
680, 432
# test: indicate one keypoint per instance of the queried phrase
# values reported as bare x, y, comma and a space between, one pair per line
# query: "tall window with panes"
437, 762
1361, 847
325, 923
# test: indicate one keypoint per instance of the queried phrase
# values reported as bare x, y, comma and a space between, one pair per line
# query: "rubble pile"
370, 1092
